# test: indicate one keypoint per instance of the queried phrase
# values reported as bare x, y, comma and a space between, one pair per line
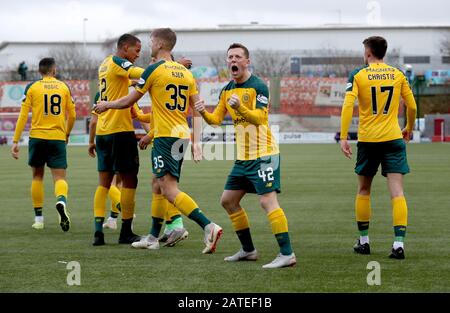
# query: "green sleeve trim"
351, 78
28, 87
148, 71
262, 94
123, 63
96, 98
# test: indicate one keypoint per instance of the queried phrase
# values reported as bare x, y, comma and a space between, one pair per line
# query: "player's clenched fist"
234, 101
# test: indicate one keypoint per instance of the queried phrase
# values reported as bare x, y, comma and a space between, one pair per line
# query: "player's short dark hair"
127, 39
377, 45
239, 45
46, 65
167, 36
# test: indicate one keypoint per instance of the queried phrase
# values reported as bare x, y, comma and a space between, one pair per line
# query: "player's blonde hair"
167, 36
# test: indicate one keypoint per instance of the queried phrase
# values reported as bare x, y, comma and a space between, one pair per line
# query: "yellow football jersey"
252, 141
170, 85
113, 80
49, 101
378, 88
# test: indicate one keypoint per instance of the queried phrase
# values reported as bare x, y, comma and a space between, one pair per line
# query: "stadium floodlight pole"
84, 32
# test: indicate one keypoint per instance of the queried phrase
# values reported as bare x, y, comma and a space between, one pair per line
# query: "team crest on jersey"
126, 64
349, 86
262, 99
246, 98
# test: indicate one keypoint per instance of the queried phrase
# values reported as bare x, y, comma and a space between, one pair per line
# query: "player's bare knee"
58, 174
227, 203
38, 173
169, 193
364, 189
155, 186
129, 181
397, 193
269, 201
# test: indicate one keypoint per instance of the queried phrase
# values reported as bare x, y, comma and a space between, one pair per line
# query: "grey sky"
45, 20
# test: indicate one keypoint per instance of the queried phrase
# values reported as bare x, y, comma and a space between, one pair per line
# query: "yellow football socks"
100, 201
127, 203
114, 195
37, 193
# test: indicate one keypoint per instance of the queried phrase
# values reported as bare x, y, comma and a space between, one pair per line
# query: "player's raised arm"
122, 103
135, 72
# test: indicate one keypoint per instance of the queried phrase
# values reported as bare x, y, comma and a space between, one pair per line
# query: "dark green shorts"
167, 156
390, 154
117, 152
42, 151
256, 176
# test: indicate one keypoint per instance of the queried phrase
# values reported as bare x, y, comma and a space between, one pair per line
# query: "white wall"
413, 41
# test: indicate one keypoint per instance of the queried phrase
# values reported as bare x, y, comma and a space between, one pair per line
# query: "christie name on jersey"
381, 76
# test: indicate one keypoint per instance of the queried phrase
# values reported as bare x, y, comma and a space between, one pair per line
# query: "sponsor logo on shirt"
141, 82
126, 64
262, 99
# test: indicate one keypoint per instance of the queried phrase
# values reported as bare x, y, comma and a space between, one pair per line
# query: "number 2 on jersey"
176, 95
373, 90
103, 97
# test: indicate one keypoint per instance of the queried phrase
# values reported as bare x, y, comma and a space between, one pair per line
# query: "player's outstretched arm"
122, 103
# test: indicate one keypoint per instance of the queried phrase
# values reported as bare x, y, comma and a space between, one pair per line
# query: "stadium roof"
255, 26
4, 44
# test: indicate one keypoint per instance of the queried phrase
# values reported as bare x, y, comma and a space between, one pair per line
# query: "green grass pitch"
318, 187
